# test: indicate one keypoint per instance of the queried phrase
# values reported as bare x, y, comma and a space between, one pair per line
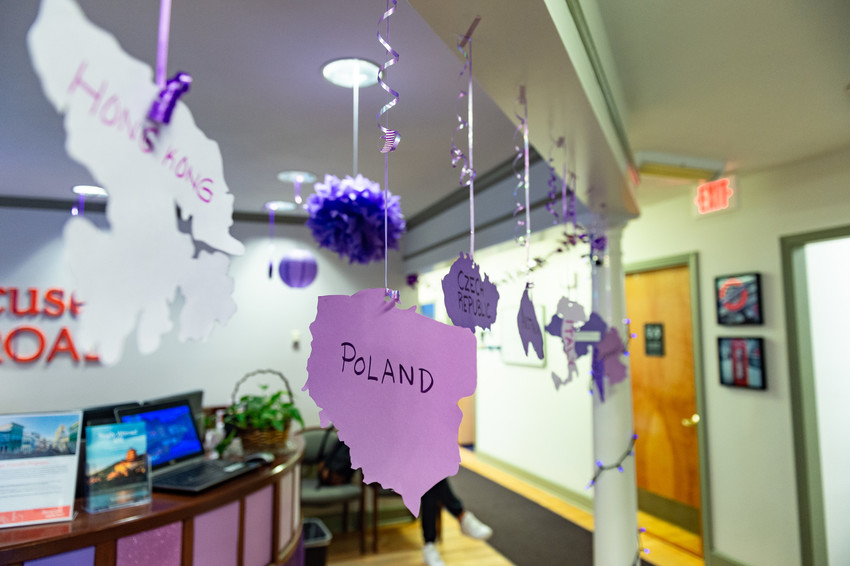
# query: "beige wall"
752, 476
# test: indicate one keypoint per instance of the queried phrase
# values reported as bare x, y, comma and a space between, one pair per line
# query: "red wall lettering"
27, 343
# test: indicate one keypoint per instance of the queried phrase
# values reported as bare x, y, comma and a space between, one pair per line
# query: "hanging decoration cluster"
562, 187
348, 215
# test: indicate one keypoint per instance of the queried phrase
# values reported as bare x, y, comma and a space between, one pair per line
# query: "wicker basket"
257, 440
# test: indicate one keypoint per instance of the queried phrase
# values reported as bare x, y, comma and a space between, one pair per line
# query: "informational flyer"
117, 471
39, 454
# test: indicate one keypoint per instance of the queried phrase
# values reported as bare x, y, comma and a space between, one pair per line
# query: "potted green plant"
262, 421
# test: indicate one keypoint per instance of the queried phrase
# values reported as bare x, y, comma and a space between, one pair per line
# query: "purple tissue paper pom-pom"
347, 216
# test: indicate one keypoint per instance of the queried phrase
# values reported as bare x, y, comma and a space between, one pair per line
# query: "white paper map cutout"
130, 273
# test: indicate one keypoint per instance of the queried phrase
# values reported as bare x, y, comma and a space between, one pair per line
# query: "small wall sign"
653, 334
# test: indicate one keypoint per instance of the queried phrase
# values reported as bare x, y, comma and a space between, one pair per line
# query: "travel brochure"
117, 470
39, 454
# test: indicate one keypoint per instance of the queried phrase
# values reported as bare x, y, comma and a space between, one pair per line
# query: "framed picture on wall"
741, 361
738, 299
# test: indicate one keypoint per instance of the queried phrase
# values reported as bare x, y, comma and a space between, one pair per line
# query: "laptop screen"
171, 432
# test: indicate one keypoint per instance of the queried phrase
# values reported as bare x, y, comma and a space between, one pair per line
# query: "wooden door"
664, 394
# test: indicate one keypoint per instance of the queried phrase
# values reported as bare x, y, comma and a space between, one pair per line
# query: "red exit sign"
715, 196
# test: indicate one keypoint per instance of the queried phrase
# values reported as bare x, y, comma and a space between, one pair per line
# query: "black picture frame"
738, 299
740, 360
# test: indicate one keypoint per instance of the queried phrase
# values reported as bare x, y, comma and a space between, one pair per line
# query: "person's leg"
428, 514
428, 517
469, 523
443, 492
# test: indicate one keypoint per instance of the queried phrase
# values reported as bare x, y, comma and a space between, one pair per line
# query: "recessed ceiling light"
351, 72
279, 205
296, 177
89, 191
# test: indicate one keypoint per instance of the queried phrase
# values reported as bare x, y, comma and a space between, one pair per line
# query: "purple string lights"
618, 465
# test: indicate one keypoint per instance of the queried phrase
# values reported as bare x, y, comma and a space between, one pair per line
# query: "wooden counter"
253, 520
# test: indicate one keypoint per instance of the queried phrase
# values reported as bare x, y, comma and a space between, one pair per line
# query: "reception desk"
253, 520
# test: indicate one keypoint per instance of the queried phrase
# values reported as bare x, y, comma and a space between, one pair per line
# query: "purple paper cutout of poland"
529, 327
470, 300
390, 381
129, 273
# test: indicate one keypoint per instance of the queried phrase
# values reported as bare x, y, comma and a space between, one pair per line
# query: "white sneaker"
472, 527
432, 555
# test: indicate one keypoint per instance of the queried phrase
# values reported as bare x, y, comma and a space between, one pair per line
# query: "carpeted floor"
524, 532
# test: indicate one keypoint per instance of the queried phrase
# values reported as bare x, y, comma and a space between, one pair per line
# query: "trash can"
317, 538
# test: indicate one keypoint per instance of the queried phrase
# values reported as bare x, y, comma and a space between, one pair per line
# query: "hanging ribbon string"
563, 187
355, 105
171, 90
297, 191
390, 138
522, 229
524, 103
467, 170
557, 187
162, 51
271, 240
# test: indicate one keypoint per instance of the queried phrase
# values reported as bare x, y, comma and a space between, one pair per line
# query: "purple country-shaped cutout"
470, 300
390, 381
529, 327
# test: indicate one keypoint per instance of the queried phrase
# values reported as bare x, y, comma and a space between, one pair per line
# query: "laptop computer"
177, 458
196, 402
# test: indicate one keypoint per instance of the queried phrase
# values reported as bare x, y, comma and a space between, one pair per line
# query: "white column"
615, 539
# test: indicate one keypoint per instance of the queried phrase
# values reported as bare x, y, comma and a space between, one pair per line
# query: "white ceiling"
754, 83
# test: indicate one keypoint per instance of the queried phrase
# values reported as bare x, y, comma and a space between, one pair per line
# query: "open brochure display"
39, 454
117, 470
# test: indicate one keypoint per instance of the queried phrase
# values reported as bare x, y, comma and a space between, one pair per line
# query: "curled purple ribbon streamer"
520, 155
467, 173
389, 138
163, 107
554, 189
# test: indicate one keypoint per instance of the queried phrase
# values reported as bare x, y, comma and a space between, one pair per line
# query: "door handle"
692, 421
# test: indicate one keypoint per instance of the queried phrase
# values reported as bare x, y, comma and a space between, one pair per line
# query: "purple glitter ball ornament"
298, 268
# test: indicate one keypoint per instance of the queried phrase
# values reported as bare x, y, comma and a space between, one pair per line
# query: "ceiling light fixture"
84, 191
296, 177
279, 206
90, 191
350, 72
